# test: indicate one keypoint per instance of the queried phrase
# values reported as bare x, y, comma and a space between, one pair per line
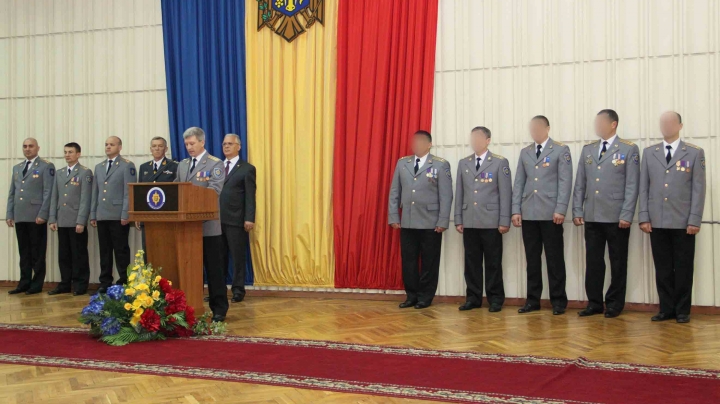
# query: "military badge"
89, 179
132, 171
683, 165
447, 172
289, 18
546, 162
155, 198
636, 158
52, 172
702, 163
567, 158
217, 172
36, 174
588, 159
506, 171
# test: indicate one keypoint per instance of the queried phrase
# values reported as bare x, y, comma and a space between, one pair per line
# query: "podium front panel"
153, 197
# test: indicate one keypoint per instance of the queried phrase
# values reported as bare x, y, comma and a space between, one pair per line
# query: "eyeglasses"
229, 144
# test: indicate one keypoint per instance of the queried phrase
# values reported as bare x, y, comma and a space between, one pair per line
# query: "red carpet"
367, 369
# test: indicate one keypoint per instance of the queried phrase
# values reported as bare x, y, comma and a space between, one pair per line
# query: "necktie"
417, 167
604, 149
537, 155
155, 168
109, 165
69, 171
193, 166
28, 165
669, 156
477, 165
227, 168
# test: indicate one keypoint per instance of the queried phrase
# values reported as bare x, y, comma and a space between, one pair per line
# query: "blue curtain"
205, 73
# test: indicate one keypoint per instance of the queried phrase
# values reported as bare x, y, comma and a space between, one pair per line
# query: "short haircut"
32, 139
424, 133
159, 138
611, 114
118, 138
234, 136
194, 131
541, 118
75, 146
484, 130
679, 117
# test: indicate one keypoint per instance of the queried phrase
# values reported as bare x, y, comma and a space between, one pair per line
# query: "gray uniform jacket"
483, 197
606, 189
425, 198
672, 195
208, 173
72, 196
30, 194
543, 184
110, 192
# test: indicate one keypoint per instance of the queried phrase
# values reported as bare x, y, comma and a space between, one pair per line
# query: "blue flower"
93, 308
110, 326
116, 292
94, 298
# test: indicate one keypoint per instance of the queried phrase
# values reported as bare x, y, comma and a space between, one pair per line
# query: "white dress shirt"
232, 161
609, 142
674, 146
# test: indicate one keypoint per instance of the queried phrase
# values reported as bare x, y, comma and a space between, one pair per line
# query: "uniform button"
21, 190
104, 190
414, 179
476, 180
105, 182
536, 167
665, 185
65, 186
413, 190
667, 171
23, 182
666, 199
475, 203
104, 199
598, 167
411, 203
536, 191
597, 192
65, 195
476, 192
64, 204
597, 179
535, 179
21, 199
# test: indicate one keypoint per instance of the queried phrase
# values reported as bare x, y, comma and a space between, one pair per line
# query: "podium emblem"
155, 198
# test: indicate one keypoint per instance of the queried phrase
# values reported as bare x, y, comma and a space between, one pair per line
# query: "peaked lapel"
68, 177
30, 169
160, 169
235, 168
679, 154
546, 150
612, 148
428, 164
113, 168
199, 166
484, 164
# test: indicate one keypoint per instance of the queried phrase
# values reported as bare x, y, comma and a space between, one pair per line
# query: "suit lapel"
678, 155
612, 148
484, 163
68, 177
428, 164
546, 150
160, 169
235, 168
30, 169
113, 168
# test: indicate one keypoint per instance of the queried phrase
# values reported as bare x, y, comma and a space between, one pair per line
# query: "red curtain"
385, 68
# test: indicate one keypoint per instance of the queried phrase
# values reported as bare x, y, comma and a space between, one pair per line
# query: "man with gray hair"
206, 171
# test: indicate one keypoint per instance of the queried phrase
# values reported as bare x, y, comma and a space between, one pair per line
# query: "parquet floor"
629, 338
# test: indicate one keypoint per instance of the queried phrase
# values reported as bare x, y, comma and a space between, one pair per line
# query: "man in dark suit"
237, 212
159, 169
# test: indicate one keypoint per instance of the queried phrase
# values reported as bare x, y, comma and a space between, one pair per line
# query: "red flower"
190, 316
184, 332
150, 320
165, 286
175, 302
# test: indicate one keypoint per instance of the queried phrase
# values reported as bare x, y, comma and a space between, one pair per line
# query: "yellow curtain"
291, 125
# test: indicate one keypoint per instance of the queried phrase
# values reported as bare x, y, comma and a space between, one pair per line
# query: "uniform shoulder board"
440, 159
591, 142
46, 161
126, 160
561, 144
83, 167
213, 158
693, 146
497, 156
401, 158
531, 146
627, 142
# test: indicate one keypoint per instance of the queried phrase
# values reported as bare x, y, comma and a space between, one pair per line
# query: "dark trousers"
73, 259
234, 244
212, 260
674, 255
479, 244
32, 244
617, 239
113, 239
536, 235
420, 277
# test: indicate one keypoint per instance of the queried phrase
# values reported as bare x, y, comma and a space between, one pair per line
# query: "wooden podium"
173, 214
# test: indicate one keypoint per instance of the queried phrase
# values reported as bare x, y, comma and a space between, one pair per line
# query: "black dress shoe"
527, 308
558, 311
58, 291
100, 290
33, 292
589, 311
683, 318
16, 291
206, 299
494, 308
422, 305
469, 306
80, 293
407, 303
662, 317
238, 297
611, 313
218, 318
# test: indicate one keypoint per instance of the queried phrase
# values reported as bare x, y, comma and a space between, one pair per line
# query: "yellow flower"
134, 320
137, 303
156, 295
138, 312
132, 277
128, 306
170, 283
129, 292
136, 267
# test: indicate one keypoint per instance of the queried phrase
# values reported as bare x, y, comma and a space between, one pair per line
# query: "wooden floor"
632, 337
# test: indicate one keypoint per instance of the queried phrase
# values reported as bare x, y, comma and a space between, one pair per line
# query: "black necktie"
604, 149
537, 155
109, 165
154, 168
477, 165
417, 167
669, 156
193, 166
227, 168
69, 171
26, 167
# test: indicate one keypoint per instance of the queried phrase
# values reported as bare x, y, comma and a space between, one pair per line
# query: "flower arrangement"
146, 308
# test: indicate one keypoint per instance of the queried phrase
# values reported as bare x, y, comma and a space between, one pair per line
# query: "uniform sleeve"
632, 184
505, 188
446, 196
518, 187
564, 182
175, 172
697, 202
88, 184
130, 177
250, 189
644, 187
458, 196
217, 178
94, 199
579, 191
394, 199
10, 213
52, 218
48, 180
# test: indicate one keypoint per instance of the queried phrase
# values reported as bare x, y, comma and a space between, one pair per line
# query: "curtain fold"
291, 123
386, 59
205, 73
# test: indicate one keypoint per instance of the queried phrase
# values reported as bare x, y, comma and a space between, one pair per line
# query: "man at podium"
204, 170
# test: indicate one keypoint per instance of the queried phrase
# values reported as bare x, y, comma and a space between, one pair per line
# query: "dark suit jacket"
166, 172
237, 199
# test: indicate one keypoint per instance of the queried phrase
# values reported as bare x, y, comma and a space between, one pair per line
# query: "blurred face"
194, 146
604, 126
670, 125
112, 147
538, 130
71, 156
421, 145
231, 147
158, 148
479, 142
30, 149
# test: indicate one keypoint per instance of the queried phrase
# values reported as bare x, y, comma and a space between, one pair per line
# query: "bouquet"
146, 308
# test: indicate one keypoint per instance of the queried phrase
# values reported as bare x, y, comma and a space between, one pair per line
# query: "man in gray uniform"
672, 199
109, 212
483, 199
27, 210
543, 182
606, 191
69, 211
206, 171
422, 188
